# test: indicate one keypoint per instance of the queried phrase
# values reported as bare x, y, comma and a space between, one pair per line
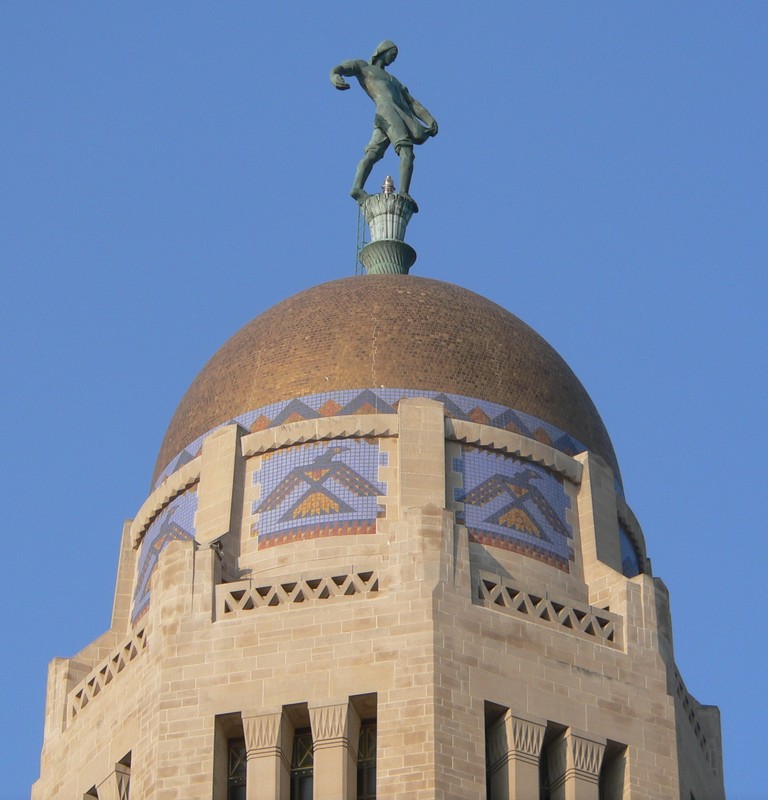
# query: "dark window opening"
302, 765
366, 761
495, 786
236, 769
612, 769
545, 785
552, 738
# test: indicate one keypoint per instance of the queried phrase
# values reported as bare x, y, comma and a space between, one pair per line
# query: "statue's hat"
382, 48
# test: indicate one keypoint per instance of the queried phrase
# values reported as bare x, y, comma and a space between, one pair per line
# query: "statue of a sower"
398, 119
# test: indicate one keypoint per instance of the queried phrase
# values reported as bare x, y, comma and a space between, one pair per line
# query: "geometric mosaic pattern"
315, 490
385, 401
514, 505
176, 521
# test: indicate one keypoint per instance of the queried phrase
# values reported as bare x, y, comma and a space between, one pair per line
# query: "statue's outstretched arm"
423, 115
349, 69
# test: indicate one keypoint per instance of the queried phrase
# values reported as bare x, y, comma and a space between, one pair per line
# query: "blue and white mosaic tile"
316, 490
514, 505
175, 522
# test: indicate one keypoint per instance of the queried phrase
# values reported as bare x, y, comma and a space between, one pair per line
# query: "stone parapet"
572, 617
249, 595
100, 679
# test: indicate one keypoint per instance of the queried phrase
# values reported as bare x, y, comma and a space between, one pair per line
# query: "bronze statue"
398, 117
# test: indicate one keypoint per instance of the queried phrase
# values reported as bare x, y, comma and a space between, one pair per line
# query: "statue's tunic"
395, 119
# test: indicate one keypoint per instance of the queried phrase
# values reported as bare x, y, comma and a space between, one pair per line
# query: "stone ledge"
171, 487
315, 430
474, 433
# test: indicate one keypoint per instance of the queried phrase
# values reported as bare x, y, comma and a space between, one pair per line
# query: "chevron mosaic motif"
514, 505
385, 401
175, 522
316, 490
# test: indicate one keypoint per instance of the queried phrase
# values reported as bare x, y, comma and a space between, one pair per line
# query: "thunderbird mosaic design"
514, 505
314, 490
175, 522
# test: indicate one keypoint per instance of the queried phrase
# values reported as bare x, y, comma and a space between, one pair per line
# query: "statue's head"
386, 52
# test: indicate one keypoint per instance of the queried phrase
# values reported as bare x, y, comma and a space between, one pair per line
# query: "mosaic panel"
515, 505
315, 490
175, 522
630, 563
385, 401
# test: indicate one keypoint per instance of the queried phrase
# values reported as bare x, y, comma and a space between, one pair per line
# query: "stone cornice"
492, 438
315, 430
176, 483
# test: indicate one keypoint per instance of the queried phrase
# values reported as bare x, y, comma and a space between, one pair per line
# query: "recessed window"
552, 737
366, 761
302, 765
236, 769
612, 771
495, 784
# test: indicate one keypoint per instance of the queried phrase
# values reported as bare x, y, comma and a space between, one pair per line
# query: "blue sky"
171, 169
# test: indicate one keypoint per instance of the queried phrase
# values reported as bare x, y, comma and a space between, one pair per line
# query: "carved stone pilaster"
574, 762
514, 747
263, 737
267, 745
527, 738
331, 727
335, 735
587, 757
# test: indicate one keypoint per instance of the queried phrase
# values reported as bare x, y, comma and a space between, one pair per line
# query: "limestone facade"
511, 667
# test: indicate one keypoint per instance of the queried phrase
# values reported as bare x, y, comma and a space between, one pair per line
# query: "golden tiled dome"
394, 331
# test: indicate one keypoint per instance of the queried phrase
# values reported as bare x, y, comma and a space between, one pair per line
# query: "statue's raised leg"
361, 176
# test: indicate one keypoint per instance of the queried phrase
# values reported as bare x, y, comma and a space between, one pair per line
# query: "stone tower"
386, 553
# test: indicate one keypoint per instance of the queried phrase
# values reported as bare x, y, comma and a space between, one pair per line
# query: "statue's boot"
361, 176
415, 204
